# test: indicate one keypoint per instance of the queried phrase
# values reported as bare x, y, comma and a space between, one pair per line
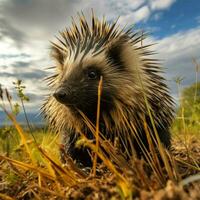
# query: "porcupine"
132, 88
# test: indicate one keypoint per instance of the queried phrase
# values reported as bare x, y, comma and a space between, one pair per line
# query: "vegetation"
30, 167
190, 109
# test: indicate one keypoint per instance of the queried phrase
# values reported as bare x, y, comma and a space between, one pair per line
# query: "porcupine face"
78, 87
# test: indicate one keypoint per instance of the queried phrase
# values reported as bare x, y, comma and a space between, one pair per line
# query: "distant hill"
34, 118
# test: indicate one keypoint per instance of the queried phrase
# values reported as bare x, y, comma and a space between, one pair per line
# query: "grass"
30, 167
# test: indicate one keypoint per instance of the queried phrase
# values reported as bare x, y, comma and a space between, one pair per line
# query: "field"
30, 167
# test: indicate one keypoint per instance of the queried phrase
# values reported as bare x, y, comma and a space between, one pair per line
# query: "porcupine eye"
92, 74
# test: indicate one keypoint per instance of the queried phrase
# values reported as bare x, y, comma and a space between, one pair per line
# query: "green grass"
12, 146
187, 120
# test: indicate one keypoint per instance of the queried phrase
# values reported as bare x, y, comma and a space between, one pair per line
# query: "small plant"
6, 132
188, 113
23, 98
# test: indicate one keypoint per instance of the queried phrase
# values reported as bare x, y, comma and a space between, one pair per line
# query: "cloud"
140, 15
38, 15
37, 74
8, 31
160, 5
181, 46
177, 52
30, 22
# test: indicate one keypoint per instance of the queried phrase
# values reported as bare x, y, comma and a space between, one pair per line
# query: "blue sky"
26, 26
181, 16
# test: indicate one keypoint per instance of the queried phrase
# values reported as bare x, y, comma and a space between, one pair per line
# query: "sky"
28, 26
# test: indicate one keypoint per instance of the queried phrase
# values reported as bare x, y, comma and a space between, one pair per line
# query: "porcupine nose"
60, 96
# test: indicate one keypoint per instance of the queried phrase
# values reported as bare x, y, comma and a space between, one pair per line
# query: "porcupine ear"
58, 55
114, 54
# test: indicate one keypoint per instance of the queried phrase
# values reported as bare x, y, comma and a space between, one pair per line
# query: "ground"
20, 182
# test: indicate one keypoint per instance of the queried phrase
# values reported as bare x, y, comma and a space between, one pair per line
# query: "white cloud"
142, 13
134, 17
160, 4
182, 44
177, 52
130, 11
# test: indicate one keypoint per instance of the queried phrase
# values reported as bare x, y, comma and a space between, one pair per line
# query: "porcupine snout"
63, 95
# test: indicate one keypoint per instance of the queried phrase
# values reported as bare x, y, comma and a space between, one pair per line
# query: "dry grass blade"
160, 146
97, 126
67, 176
116, 157
72, 166
104, 158
26, 166
1, 92
146, 153
106, 145
5, 197
190, 179
151, 147
123, 183
48, 191
156, 137
20, 131
9, 98
188, 165
30, 191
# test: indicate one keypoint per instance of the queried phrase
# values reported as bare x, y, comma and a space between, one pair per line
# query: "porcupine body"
131, 81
